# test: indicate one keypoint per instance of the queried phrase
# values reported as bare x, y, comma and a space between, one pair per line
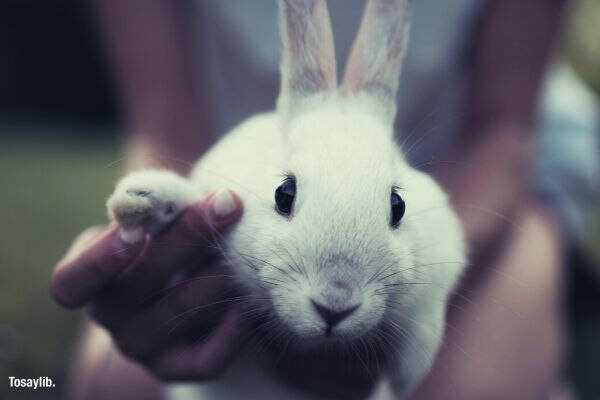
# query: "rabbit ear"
376, 58
308, 60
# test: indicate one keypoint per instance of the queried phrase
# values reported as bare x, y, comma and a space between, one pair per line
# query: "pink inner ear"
376, 59
378, 51
308, 63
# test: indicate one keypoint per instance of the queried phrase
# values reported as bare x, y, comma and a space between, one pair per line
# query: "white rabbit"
341, 241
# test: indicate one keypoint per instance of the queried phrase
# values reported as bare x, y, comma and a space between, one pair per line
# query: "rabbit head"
355, 235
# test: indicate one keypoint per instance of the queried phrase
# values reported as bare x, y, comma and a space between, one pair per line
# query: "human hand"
165, 300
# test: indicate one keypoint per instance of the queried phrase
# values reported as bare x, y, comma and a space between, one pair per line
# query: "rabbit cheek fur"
337, 246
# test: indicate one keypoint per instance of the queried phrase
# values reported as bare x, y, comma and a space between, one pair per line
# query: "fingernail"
223, 204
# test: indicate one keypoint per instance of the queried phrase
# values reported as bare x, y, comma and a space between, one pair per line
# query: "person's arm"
489, 181
166, 126
156, 75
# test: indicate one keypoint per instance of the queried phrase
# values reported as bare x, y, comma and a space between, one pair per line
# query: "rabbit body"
337, 266
347, 222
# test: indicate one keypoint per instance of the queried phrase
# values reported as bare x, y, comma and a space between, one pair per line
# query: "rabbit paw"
147, 201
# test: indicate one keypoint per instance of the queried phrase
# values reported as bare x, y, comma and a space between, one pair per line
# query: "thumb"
216, 212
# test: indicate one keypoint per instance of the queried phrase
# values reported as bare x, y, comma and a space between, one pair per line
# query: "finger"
81, 242
208, 359
193, 308
189, 242
95, 258
84, 273
215, 213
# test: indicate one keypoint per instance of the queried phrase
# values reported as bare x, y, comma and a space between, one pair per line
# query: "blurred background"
60, 155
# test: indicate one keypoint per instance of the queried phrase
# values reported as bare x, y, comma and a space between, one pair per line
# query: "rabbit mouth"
330, 339
315, 332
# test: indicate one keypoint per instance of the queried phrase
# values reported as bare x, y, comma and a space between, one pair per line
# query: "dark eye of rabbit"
398, 207
284, 196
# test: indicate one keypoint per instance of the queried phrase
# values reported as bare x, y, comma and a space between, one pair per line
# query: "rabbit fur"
337, 246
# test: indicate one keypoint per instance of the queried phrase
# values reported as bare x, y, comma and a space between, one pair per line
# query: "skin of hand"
186, 329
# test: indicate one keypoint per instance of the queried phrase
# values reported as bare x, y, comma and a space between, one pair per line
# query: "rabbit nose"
330, 316
337, 293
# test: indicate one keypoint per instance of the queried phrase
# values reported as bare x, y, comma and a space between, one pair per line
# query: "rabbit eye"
284, 196
398, 207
